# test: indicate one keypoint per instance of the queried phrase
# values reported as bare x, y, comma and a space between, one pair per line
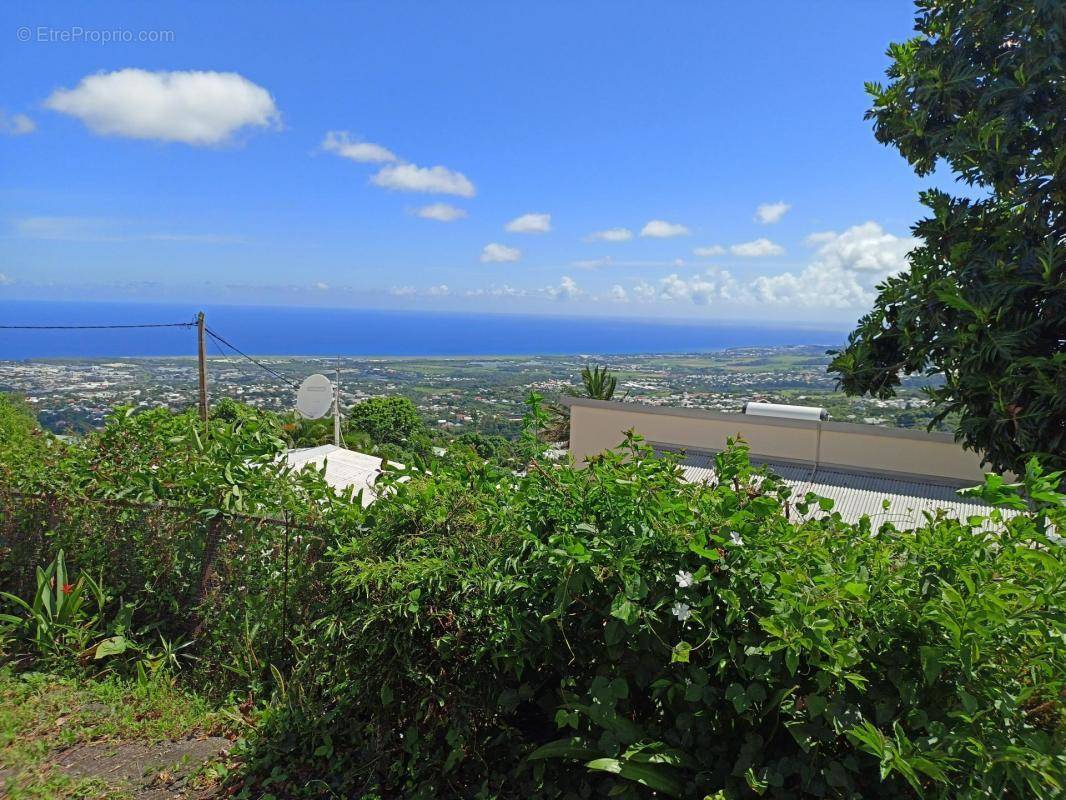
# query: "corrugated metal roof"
344, 468
856, 494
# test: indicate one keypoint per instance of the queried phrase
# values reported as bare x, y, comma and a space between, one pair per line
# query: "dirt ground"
157, 771
75, 739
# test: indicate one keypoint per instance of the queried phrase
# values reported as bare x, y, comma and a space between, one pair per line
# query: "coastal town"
484, 394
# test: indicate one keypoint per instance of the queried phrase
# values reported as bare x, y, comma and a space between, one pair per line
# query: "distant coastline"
302, 331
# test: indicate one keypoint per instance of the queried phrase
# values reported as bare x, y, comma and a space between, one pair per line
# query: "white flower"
681, 611
735, 540
1055, 538
684, 579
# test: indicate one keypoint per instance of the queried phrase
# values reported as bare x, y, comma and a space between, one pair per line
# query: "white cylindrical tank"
787, 412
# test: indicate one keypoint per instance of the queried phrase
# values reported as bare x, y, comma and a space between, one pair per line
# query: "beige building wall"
596, 426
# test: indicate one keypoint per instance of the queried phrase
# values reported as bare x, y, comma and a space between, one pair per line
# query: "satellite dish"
315, 397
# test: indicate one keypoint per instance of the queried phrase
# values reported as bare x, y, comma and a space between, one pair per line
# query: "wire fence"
189, 575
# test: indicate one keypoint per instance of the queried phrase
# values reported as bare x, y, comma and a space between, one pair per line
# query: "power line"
216, 345
218, 349
95, 327
259, 364
217, 338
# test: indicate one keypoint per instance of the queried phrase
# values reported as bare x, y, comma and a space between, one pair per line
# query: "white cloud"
815, 286
65, 228
500, 253
866, 248
198, 108
404, 176
16, 124
709, 251
497, 291
611, 235
194, 238
844, 272
342, 143
530, 223
4, 280
442, 212
701, 289
593, 263
99, 229
769, 213
672, 287
820, 237
321, 286
443, 290
618, 294
757, 249
644, 292
660, 229
566, 290
431, 180
609, 261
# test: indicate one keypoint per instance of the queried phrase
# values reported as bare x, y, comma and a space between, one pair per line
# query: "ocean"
301, 331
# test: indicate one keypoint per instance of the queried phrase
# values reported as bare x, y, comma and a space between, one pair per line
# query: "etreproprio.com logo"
76, 34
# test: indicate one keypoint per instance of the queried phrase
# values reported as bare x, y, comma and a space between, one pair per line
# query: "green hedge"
614, 631
144, 504
573, 633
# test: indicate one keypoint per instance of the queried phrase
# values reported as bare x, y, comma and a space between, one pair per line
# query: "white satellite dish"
315, 396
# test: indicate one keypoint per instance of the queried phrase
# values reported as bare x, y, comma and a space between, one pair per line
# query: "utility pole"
202, 352
337, 406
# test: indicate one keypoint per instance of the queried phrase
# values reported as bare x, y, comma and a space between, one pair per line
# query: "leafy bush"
565, 632
611, 631
490, 447
61, 618
17, 422
169, 511
387, 420
23, 445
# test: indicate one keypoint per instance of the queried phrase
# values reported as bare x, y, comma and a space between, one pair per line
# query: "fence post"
285, 584
50, 519
207, 569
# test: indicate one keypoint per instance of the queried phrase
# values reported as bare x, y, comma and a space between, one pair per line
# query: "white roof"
344, 468
856, 494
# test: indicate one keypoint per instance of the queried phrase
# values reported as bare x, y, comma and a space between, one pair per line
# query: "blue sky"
374, 154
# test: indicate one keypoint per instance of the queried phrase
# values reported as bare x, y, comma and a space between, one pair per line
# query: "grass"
41, 714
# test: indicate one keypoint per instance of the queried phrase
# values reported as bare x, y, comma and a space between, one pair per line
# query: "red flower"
68, 588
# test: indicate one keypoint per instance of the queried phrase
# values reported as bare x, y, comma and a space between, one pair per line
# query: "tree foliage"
22, 442
17, 422
597, 383
387, 420
981, 90
490, 447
